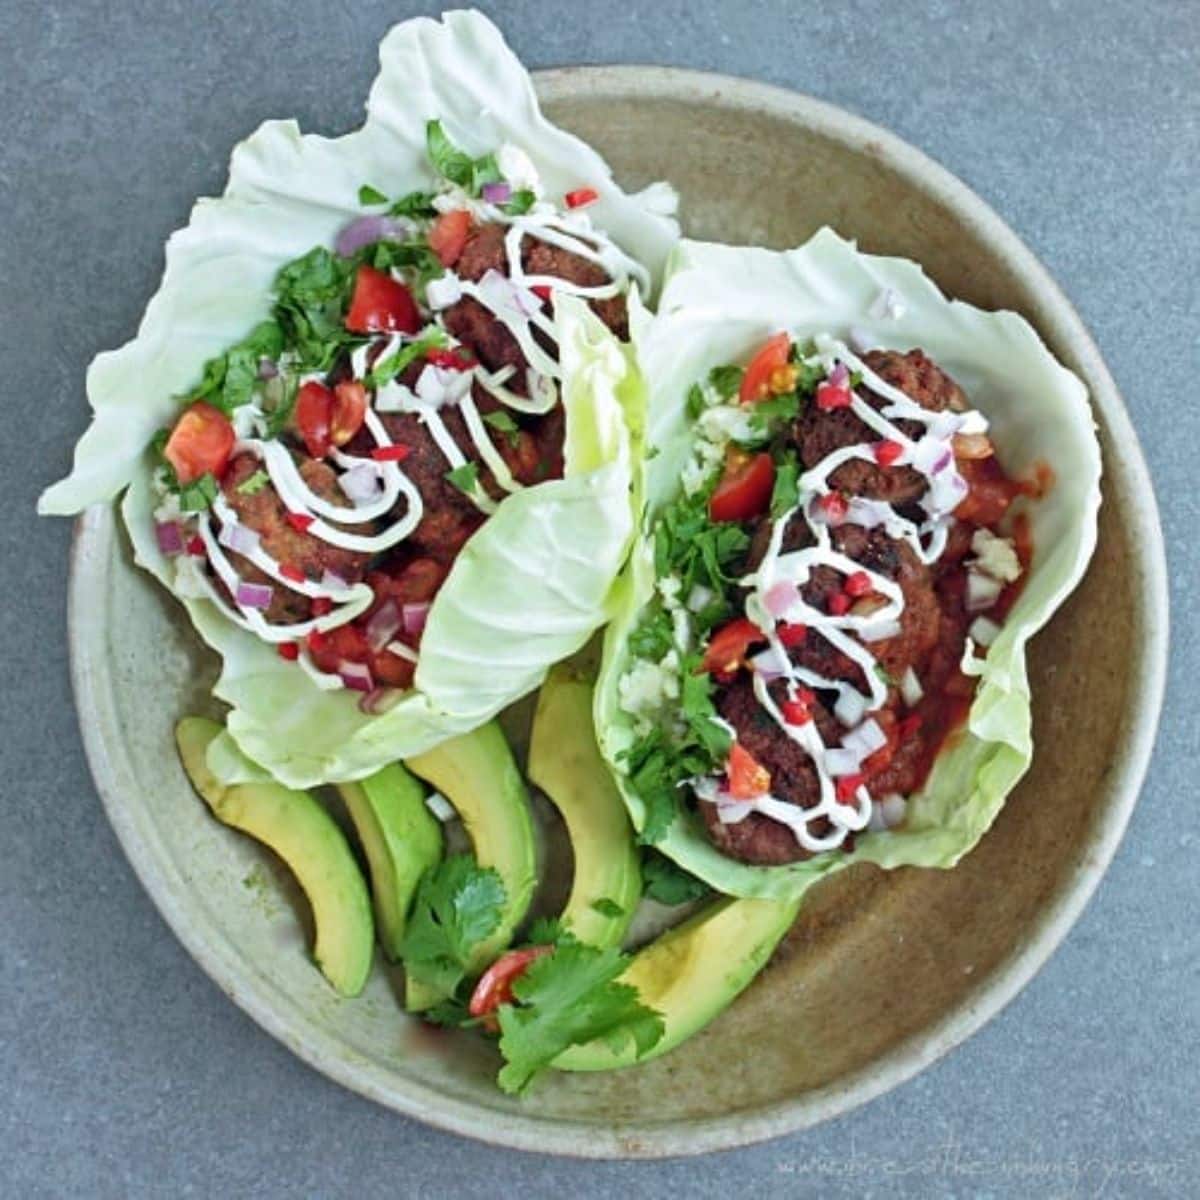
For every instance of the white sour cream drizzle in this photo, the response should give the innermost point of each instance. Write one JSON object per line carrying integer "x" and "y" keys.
{"x": 785, "y": 574}
{"x": 511, "y": 300}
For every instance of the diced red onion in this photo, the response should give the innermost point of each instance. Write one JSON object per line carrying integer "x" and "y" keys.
{"x": 496, "y": 193}
{"x": 770, "y": 665}
{"x": 383, "y": 625}
{"x": 356, "y": 676}
{"x": 839, "y": 376}
{"x": 500, "y": 291}
{"x": 440, "y": 807}
{"x": 360, "y": 483}
{"x": 982, "y": 591}
{"x": 880, "y": 631}
{"x": 443, "y": 292}
{"x": 945, "y": 425}
{"x": 780, "y": 597}
{"x": 731, "y": 812}
{"x": 944, "y": 494}
{"x": 850, "y": 708}
{"x": 840, "y": 761}
{"x": 910, "y": 688}
{"x": 169, "y": 536}
{"x": 865, "y": 739}
{"x": 254, "y": 595}
{"x": 267, "y": 368}
{"x": 414, "y": 617}
{"x": 239, "y": 538}
{"x": 331, "y": 582}
{"x": 942, "y": 462}
{"x": 363, "y": 231}
{"x": 983, "y": 631}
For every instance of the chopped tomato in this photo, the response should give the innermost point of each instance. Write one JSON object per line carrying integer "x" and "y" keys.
{"x": 299, "y": 521}
{"x": 495, "y": 986}
{"x": 727, "y": 648}
{"x": 200, "y": 443}
{"x": 989, "y": 493}
{"x": 346, "y": 642}
{"x": 289, "y": 651}
{"x": 834, "y": 505}
{"x": 746, "y": 775}
{"x": 847, "y": 786}
{"x": 380, "y": 303}
{"x": 792, "y": 634}
{"x": 449, "y": 235}
{"x": 770, "y": 356}
{"x": 313, "y": 416}
{"x": 839, "y": 604}
{"x": 887, "y": 452}
{"x": 745, "y": 488}
{"x": 581, "y": 197}
{"x": 349, "y": 411}
{"x": 858, "y": 583}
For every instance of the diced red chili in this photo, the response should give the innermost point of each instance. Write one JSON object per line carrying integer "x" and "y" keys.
{"x": 847, "y": 786}
{"x": 581, "y": 197}
{"x": 394, "y": 453}
{"x": 887, "y": 452}
{"x": 839, "y": 604}
{"x": 293, "y": 573}
{"x": 195, "y": 546}
{"x": 834, "y": 506}
{"x": 299, "y": 521}
{"x": 792, "y": 634}
{"x": 321, "y": 605}
{"x": 857, "y": 584}
{"x": 830, "y": 396}
{"x": 289, "y": 651}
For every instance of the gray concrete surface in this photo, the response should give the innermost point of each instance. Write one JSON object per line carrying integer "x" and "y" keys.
{"x": 123, "y": 1071}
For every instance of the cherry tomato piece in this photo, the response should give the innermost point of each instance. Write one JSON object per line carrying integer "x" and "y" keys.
{"x": 348, "y": 412}
{"x": 746, "y": 776}
{"x": 201, "y": 443}
{"x": 727, "y": 648}
{"x": 314, "y": 416}
{"x": 771, "y": 355}
{"x": 380, "y": 303}
{"x": 495, "y": 986}
{"x": 449, "y": 235}
{"x": 745, "y": 489}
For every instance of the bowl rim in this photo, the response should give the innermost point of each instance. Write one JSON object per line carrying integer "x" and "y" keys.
{"x": 575, "y": 1137}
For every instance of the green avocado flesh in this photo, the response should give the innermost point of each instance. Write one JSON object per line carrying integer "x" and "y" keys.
{"x": 693, "y": 972}
{"x": 306, "y": 837}
{"x": 401, "y": 839}
{"x": 565, "y": 762}
{"x": 477, "y": 774}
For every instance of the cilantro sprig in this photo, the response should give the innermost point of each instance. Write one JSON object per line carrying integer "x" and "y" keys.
{"x": 667, "y": 882}
{"x": 459, "y": 905}
{"x": 570, "y": 997}
{"x": 456, "y": 165}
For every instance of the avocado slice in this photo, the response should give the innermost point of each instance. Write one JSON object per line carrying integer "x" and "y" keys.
{"x": 401, "y": 840}
{"x": 565, "y": 762}
{"x": 306, "y": 837}
{"x": 477, "y": 774}
{"x": 693, "y": 972}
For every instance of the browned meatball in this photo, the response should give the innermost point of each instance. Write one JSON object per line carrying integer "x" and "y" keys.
{"x": 818, "y": 433}
{"x": 540, "y": 258}
{"x": 758, "y": 839}
{"x": 266, "y": 514}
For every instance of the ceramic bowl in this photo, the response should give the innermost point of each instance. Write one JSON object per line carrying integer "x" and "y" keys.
{"x": 883, "y": 972}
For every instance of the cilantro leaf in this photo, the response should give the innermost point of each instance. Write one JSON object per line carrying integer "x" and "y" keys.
{"x": 458, "y": 905}
{"x": 465, "y": 478}
{"x": 568, "y": 998}
{"x": 775, "y": 411}
{"x": 884, "y": 676}
{"x": 230, "y": 380}
{"x": 415, "y": 258}
{"x": 700, "y": 712}
{"x": 519, "y": 203}
{"x": 416, "y": 204}
{"x": 653, "y": 636}
{"x": 786, "y": 492}
{"x": 369, "y": 196}
{"x": 504, "y": 423}
{"x": 726, "y": 381}
{"x": 310, "y": 297}
{"x": 198, "y": 495}
{"x": 667, "y": 882}
{"x": 253, "y": 484}
{"x": 456, "y": 165}
{"x": 387, "y": 369}
{"x": 545, "y": 930}
{"x": 607, "y": 908}
{"x": 696, "y": 403}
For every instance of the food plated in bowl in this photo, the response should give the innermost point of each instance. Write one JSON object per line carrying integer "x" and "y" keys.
{"x": 844, "y": 964}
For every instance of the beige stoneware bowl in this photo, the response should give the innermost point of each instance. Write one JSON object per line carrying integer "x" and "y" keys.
{"x": 883, "y": 972}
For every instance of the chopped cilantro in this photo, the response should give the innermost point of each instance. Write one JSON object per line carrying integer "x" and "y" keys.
{"x": 689, "y": 545}
{"x": 725, "y": 381}
{"x": 695, "y": 401}
{"x": 607, "y": 908}
{"x": 568, "y": 998}
{"x": 653, "y": 636}
{"x": 253, "y": 484}
{"x": 230, "y": 379}
{"x": 808, "y": 375}
{"x": 786, "y": 492}
{"x": 459, "y": 904}
{"x": 504, "y": 423}
{"x": 545, "y": 930}
{"x": 369, "y": 196}
{"x": 699, "y": 711}
{"x": 519, "y": 203}
{"x": 387, "y": 370}
{"x": 767, "y": 415}
{"x": 311, "y": 294}
{"x": 198, "y": 495}
{"x": 416, "y": 204}
{"x": 456, "y": 165}
{"x": 667, "y": 882}
{"x": 465, "y": 478}
{"x": 884, "y": 677}
{"x": 415, "y": 258}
